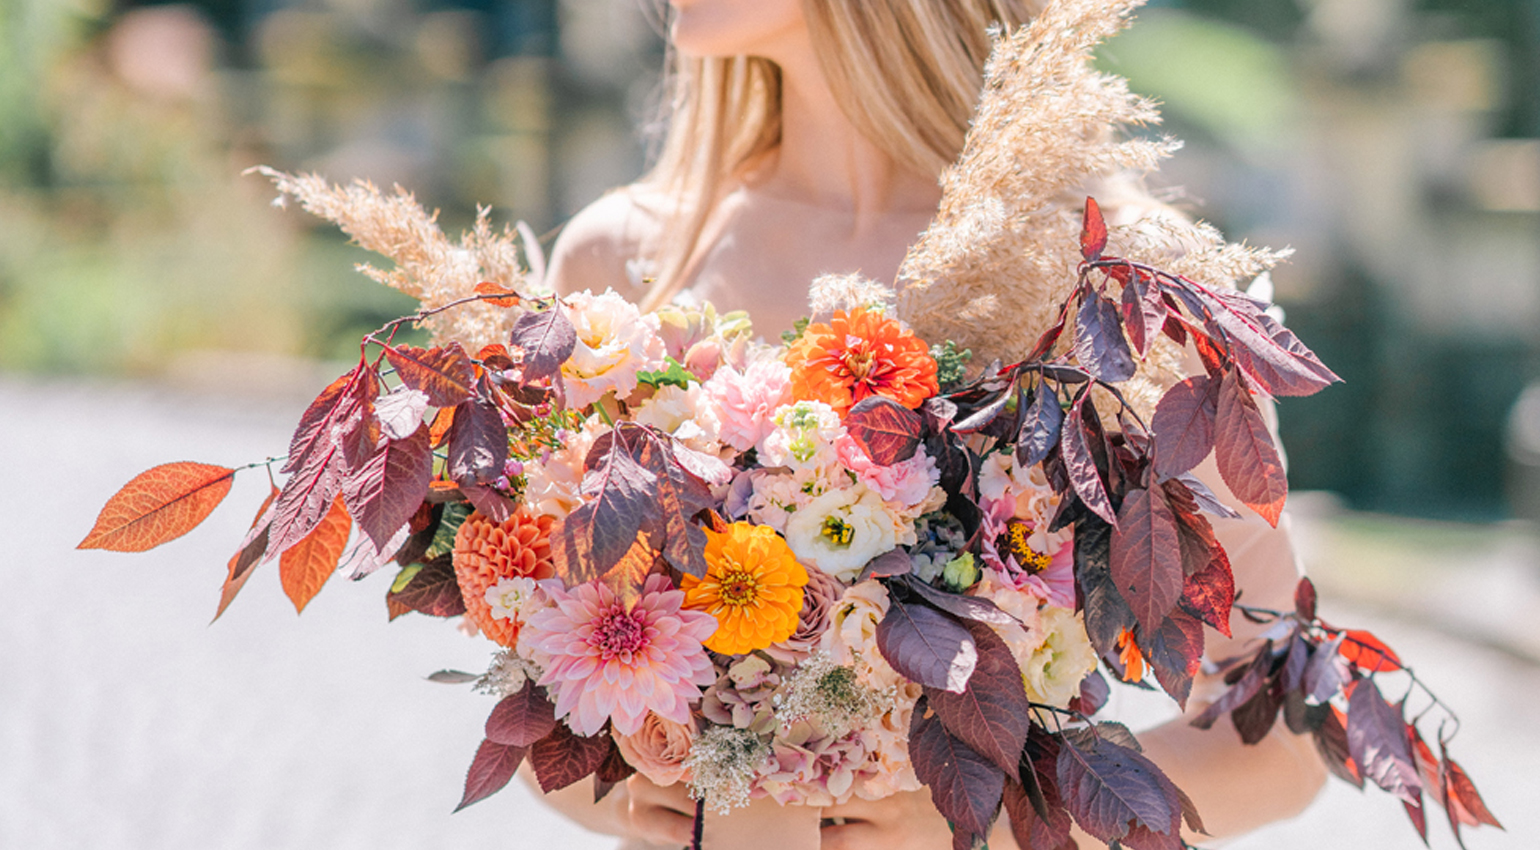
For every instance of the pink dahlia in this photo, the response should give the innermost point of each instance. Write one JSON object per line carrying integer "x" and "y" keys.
{"x": 603, "y": 662}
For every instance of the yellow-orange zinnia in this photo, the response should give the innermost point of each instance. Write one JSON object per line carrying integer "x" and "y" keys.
{"x": 753, "y": 587}
{"x": 861, "y": 354}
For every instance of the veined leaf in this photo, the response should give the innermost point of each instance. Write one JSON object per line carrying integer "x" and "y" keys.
{"x": 964, "y": 785}
{"x": 992, "y": 714}
{"x": 444, "y": 373}
{"x": 564, "y": 757}
{"x": 433, "y": 590}
{"x": 305, "y": 566}
{"x": 1146, "y": 559}
{"x": 547, "y": 339}
{"x": 1081, "y": 463}
{"x": 885, "y": 429}
{"x": 158, "y": 505}
{"x": 492, "y": 768}
{"x": 1099, "y": 342}
{"x": 1093, "y": 232}
{"x": 249, "y": 555}
{"x": 1248, "y": 460}
{"x": 388, "y": 489}
{"x": 927, "y": 646}
{"x": 523, "y": 718}
{"x": 1184, "y": 426}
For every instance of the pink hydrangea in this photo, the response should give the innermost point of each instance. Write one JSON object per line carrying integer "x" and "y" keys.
{"x": 747, "y": 400}
{"x": 603, "y": 662}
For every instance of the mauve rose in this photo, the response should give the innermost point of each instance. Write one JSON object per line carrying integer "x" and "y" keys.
{"x": 658, "y": 749}
{"x": 818, "y": 598}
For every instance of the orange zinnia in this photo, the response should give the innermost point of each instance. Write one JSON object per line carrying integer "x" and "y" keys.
{"x": 487, "y": 552}
{"x": 858, "y": 355}
{"x": 753, "y": 587}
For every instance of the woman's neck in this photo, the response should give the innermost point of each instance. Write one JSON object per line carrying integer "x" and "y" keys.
{"x": 824, "y": 160}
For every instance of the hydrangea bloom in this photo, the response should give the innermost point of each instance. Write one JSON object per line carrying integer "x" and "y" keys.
{"x": 604, "y": 662}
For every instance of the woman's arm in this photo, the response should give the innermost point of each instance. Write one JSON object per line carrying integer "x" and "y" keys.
{"x": 605, "y": 245}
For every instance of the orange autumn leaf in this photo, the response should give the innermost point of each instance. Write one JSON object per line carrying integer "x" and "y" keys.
{"x": 158, "y": 505}
{"x": 245, "y": 559}
{"x": 439, "y": 429}
{"x": 306, "y": 565}
{"x": 1368, "y": 653}
{"x": 510, "y": 299}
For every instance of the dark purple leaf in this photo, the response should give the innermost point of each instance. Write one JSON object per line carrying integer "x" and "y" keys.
{"x": 1184, "y": 426}
{"x": 1175, "y": 653}
{"x": 1304, "y": 600}
{"x": 1255, "y": 717}
{"x": 1293, "y": 676}
{"x": 1106, "y": 612}
{"x": 1254, "y": 679}
{"x": 496, "y": 506}
{"x": 887, "y": 431}
{"x": 1209, "y": 594}
{"x": 1109, "y": 788}
{"x": 927, "y": 646}
{"x": 965, "y": 786}
{"x": 1248, "y": 460}
{"x": 1081, "y": 463}
{"x": 894, "y": 562}
{"x": 433, "y": 590}
{"x": 1099, "y": 344}
{"x": 1277, "y": 369}
{"x": 523, "y": 718}
{"x": 984, "y": 416}
{"x": 992, "y": 715}
{"x": 305, "y": 499}
{"x": 1327, "y": 672}
{"x": 975, "y": 608}
{"x": 384, "y": 493}
{"x": 563, "y": 757}
{"x": 678, "y": 495}
{"x": 594, "y": 537}
{"x": 1146, "y": 559}
{"x": 1378, "y": 741}
{"x": 547, "y": 339}
{"x": 1094, "y": 692}
{"x": 1205, "y": 497}
{"x": 444, "y": 374}
{"x": 1040, "y": 427}
{"x": 493, "y": 766}
{"x": 1331, "y": 742}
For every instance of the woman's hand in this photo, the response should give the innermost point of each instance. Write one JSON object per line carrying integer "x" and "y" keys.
{"x": 907, "y": 820}
{"x": 666, "y": 816}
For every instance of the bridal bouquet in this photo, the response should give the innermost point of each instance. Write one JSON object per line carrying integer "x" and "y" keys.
{"x": 850, "y": 564}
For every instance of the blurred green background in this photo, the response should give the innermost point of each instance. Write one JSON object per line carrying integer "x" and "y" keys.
{"x": 1394, "y": 143}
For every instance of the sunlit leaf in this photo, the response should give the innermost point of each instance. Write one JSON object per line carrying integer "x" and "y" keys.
{"x": 158, "y": 505}
{"x": 304, "y": 567}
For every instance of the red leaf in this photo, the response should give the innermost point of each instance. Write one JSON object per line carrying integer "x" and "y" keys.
{"x": 965, "y": 787}
{"x": 1210, "y": 594}
{"x": 887, "y": 431}
{"x": 508, "y": 298}
{"x": 158, "y": 505}
{"x": 493, "y": 766}
{"x": 1331, "y": 742}
{"x": 248, "y": 556}
{"x": 306, "y": 497}
{"x": 442, "y": 422}
{"x": 563, "y": 757}
{"x": 523, "y": 718}
{"x": 1099, "y": 343}
{"x": 433, "y": 591}
{"x": 927, "y": 646}
{"x": 1184, "y": 426}
{"x": 1175, "y": 652}
{"x": 305, "y": 566}
{"x": 1366, "y": 652}
{"x": 1304, "y": 600}
{"x": 1213, "y": 361}
{"x": 1047, "y": 339}
{"x": 547, "y": 339}
{"x": 592, "y": 539}
{"x": 1146, "y": 557}
{"x": 1248, "y": 460}
{"x": 444, "y": 373}
{"x": 1093, "y": 232}
{"x": 1461, "y": 799}
{"x": 992, "y": 715}
{"x": 387, "y": 490}
{"x": 319, "y": 419}
{"x": 1078, "y": 458}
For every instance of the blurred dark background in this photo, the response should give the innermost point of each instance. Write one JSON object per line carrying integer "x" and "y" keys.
{"x": 1394, "y": 143}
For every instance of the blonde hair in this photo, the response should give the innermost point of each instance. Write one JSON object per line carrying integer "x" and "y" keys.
{"x": 906, "y": 73}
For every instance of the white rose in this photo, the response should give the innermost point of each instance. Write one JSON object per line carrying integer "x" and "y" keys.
{"x": 840, "y": 531}
{"x": 614, "y": 342}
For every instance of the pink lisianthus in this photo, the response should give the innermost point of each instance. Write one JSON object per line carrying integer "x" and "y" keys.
{"x": 747, "y": 400}
{"x": 603, "y": 662}
{"x": 1051, "y": 576}
{"x": 907, "y": 482}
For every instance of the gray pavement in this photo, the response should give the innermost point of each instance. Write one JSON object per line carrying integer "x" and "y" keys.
{"x": 127, "y": 721}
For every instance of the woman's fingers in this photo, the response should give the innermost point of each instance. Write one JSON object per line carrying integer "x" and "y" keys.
{"x": 660, "y": 815}
{"x": 905, "y": 821}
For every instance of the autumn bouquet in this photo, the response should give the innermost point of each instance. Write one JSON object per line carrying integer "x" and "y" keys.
{"x": 855, "y": 562}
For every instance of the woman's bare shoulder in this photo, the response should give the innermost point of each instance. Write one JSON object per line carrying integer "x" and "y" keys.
{"x": 609, "y": 243}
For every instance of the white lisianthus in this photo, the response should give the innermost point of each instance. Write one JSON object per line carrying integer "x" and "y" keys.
{"x": 803, "y": 437}
{"x": 614, "y": 342}
{"x": 840, "y": 531}
{"x": 687, "y": 414}
{"x": 1054, "y": 671}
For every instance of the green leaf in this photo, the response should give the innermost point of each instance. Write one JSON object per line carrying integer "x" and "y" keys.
{"x": 444, "y": 539}
{"x": 405, "y": 577}
{"x": 675, "y": 375}
{"x": 798, "y": 328}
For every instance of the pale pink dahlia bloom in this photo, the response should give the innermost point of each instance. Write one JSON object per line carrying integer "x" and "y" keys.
{"x": 603, "y": 662}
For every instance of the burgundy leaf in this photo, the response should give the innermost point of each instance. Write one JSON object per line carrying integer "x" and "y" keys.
{"x": 1326, "y": 672}
{"x": 975, "y": 608}
{"x": 523, "y": 718}
{"x": 305, "y": 499}
{"x": 992, "y": 715}
{"x": 1248, "y": 460}
{"x": 894, "y": 562}
{"x": 547, "y": 339}
{"x": 487, "y": 501}
{"x": 1094, "y": 692}
{"x": 677, "y": 496}
{"x": 1099, "y": 343}
{"x": 493, "y": 766}
{"x": 444, "y": 374}
{"x": 1331, "y": 742}
{"x": 1109, "y": 788}
{"x": 965, "y": 787}
{"x": 401, "y": 411}
{"x": 1078, "y": 458}
{"x": 887, "y": 431}
{"x": 1093, "y": 232}
{"x": 433, "y": 590}
{"x": 1204, "y": 497}
{"x": 1462, "y": 802}
{"x": 1147, "y": 557}
{"x": 1040, "y": 427}
{"x": 1106, "y": 612}
{"x": 1134, "y": 324}
{"x": 320, "y": 419}
{"x": 927, "y": 646}
{"x": 1176, "y": 651}
{"x": 563, "y": 757}
{"x": 1209, "y": 594}
{"x": 1304, "y": 600}
{"x": 478, "y": 443}
{"x": 1254, "y": 680}
{"x": 384, "y": 493}
{"x": 421, "y": 529}
{"x": 1184, "y": 426}
{"x": 1048, "y": 338}
{"x": 1271, "y": 363}
{"x": 1378, "y": 741}
{"x": 984, "y": 416}
{"x": 1293, "y": 676}
{"x": 596, "y": 535}
{"x": 1255, "y": 717}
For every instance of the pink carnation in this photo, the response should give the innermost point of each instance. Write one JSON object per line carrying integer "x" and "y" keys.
{"x": 603, "y": 662}
{"x": 906, "y": 482}
{"x": 747, "y": 400}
